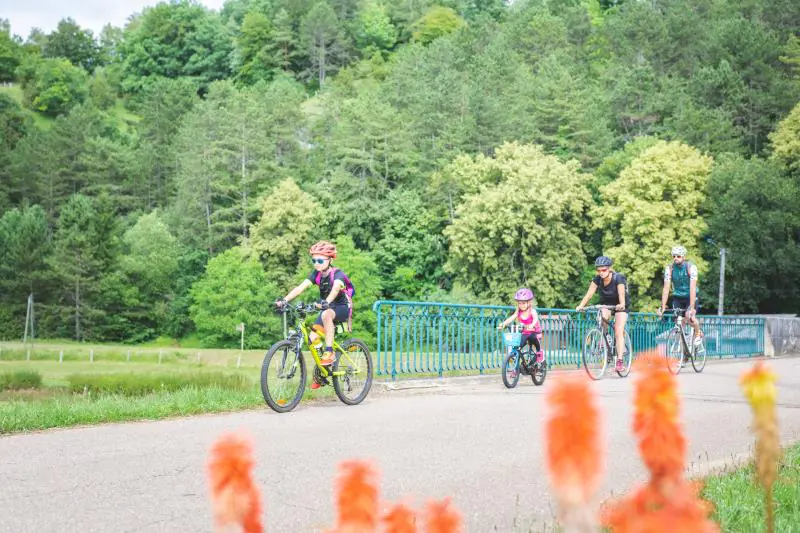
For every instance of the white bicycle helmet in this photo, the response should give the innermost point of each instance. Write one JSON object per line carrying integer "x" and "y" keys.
{"x": 678, "y": 250}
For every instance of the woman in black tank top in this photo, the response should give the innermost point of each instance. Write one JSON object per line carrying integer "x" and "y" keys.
{"x": 613, "y": 291}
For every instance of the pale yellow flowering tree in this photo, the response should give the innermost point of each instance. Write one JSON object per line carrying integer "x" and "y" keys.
{"x": 653, "y": 205}
{"x": 519, "y": 224}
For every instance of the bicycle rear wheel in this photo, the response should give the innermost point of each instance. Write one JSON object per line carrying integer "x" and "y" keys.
{"x": 674, "y": 352}
{"x": 699, "y": 356}
{"x": 283, "y": 376}
{"x": 352, "y": 372}
{"x": 538, "y": 372}
{"x": 594, "y": 354}
{"x": 510, "y": 370}
{"x": 627, "y": 357}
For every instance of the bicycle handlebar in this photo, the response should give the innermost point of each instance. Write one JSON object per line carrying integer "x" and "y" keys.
{"x": 599, "y": 306}
{"x": 299, "y": 308}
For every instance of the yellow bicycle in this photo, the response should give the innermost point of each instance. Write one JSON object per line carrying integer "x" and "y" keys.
{"x": 283, "y": 372}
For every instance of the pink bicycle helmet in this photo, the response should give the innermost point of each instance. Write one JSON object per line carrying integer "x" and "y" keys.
{"x": 524, "y": 295}
{"x": 324, "y": 248}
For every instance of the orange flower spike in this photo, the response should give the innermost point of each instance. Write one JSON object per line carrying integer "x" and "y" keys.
{"x": 573, "y": 443}
{"x": 234, "y": 495}
{"x": 442, "y": 518}
{"x": 400, "y": 519}
{"x": 357, "y": 498}
{"x": 759, "y": 388}
{"x": 656, "y": 418}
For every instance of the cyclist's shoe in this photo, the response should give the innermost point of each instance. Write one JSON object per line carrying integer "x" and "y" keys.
{"x": 327, "y": 358}
{"x": 540, "y": 357}
{"x": 315, "y": 385}
{"x": 620, "y": 365}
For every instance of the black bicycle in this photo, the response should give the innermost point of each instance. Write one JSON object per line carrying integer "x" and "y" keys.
{"x": 681, "y": 345}
{"x": 599, "y": 346}
{"x": 521, "y": 360}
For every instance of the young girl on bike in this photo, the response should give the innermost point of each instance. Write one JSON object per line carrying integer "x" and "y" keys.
{"x": 529, "y": 319}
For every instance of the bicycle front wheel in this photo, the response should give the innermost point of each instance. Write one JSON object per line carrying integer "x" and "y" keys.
{"x": 352, "y": 372}
{"x": 510, "y": 370}
{"x": 627, "y": 357}
{"x": 283, "y": 376}
{"x": 674, "y": 352}
{"x": 699, "y": 357}
{"x": 594, "y": 354}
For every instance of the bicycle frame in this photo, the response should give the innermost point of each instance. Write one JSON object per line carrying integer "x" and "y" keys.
{"x": 680, "y": 326}
{"x": 302, "y": 311}
{"x": 609, "y": 344}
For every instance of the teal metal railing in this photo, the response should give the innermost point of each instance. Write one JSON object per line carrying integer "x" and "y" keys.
{"x": 434, "y": 338}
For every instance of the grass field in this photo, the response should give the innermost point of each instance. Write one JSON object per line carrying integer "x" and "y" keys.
{"x": 188, "y": 388}
{"x": 739, "y": 502}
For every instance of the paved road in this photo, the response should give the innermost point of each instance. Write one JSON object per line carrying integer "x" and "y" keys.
{"x": 474, "y": 441}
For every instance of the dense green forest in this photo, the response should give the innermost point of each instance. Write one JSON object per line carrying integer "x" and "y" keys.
{"x": 167, "y": 178}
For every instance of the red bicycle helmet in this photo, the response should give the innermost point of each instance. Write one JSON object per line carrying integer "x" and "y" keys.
{"x": 324, "y": 248}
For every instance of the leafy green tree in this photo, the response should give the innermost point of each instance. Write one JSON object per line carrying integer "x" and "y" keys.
{"x": 786, "y": 141}
{"x": 232, "y": 146}
{"x": 503, "y": 237}
{"x": 101, "y": 91}
{"x": 285, "y": 39}
{"x": 9, "y": 56}
{"x": 284, "y": 232}
{"x": 175, "y": 39}
{"x": 81, "y": 251}
{"x": 375, "y": 30}
{"x": 57, "y": 86}
{"x": 149, "y": 262}
{"x": 655, "y": 203}
{"x": 753, "y": 213}
{"x": 191, "y": 267}
{"x": 255, "y": 47}
{"x": 70, "y": 41}
{"x": 322, "y": 36}
{"x": 234, "y": 290}
{"x": 23, "y": 269}
{"x": 438, "y": 21}
{"x": 411, "y": 252}
{"x": 14, "y": 125}
{"x": 163, "y": 105}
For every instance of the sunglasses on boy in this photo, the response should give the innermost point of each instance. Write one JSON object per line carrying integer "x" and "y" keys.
{"x": 318, "y": 261}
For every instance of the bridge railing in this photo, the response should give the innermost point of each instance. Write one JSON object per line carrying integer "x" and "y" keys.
{"x": 434, "y": 338}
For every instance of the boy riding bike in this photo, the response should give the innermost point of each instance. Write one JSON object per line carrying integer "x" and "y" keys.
{"x": 335, "y": 292}
{"x": 529, "y": 319}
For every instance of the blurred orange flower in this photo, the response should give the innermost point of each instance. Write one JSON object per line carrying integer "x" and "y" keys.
{"x": 442, "y": 518}
{"x": 573, "y": 450}
{"x": 668, "y": 503}
{"x": 655, "y": 420}
{"x": 357, "y": 498}
{"x": 400, "y": 519}
{"x": 234, "y": 495}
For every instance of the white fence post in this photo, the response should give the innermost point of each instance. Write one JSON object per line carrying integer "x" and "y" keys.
{"x": 61, "y": 356}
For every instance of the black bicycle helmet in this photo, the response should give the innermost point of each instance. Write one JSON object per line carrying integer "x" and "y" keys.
{"x": 603, "y": 261}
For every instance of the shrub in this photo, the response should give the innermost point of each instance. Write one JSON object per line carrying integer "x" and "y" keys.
{"x": 21, "y": 379}
{"x": 141, "y": 384}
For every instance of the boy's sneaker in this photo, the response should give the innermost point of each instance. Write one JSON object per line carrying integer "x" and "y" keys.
{"x": 620, "y": 365}
{"x": 327, "y": 358}
{"x": 540, "y": 357}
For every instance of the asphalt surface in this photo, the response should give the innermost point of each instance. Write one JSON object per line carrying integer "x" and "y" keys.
{"x": 470, "y": 439}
